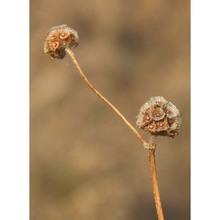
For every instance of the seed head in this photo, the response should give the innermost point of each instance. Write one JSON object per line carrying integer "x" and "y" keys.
{"x": 58, "y": 38}
{"x": 159, "y": 117}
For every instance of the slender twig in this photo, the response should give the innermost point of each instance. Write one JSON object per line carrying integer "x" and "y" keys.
{"x": 149, "y": 146}
{"x": 152, "y": 161}
{"x": 151, "y": 156}
{"x": 71, "y": 54}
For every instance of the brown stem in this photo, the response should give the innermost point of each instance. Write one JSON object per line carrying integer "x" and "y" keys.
{"x": 152, "y": 161}
{"x": 149, "y": 146}
{"x": 71, "y": 54}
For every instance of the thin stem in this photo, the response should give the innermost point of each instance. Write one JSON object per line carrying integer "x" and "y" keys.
{"x": 71, "y": 54}
{"x": 152, "y": 161}
{"x": 149, "y": 146}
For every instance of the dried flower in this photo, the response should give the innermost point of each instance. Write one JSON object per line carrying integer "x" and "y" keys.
{"x": 159, "y": 117}
{"x": 58, "y": 38}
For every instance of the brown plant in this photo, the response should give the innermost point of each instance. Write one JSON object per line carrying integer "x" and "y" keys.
{"x": 159, "y": 117}
{"x": 156, "y": 116}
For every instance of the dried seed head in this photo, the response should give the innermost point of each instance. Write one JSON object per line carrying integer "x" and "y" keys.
{"x": 58, "y": 38}
{"x": 159, "y": 117}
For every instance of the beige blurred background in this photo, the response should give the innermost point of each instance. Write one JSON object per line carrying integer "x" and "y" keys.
{"x": 85, "y": 163}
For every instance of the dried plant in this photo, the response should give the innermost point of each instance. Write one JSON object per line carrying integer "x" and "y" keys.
{"x": 157, "y": 116}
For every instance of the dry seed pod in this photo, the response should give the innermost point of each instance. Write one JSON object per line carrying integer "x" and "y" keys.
{"x": 58, "y": 38}
{"x": 159, "y": 117}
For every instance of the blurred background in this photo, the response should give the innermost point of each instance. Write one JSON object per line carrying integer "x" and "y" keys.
{"x": 85, "y": 162}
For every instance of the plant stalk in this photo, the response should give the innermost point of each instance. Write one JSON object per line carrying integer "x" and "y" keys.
{"x": 71, "y": 54}
{"x": 151, "y": 157}
{"x": 149, "y": 146}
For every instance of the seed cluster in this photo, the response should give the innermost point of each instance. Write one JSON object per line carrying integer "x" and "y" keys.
{"x": 159, "y": 117}
{"x": 58, "y": 38}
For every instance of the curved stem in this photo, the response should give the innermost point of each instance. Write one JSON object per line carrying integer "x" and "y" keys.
{"x": 149, "y": 146}
{"x": 71, "y": 54}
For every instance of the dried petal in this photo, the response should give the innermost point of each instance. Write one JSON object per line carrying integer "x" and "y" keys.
{"x": 171, "y": 110}
{"x": 158, "y": 100}
{"x": 158, "y": 114}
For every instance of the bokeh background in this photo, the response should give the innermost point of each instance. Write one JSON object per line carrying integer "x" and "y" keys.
{"x": 85, "y": 163}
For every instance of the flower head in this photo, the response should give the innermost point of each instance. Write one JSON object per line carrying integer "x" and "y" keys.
{"x": 159, "y": 117}
{"x": 58, "y": 38}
